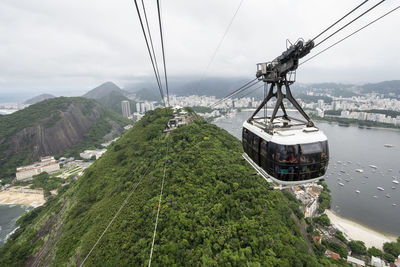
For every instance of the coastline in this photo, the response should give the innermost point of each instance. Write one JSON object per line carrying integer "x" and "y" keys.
{"x": 356, "y": 125}
{"x": 19, "y": 197}
{"x": 357, "y": 231}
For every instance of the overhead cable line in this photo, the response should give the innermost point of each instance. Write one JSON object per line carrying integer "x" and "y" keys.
{"x": 159, "y": 207}
{"x": 149, "y": 51}
{"x": 152, "y": 46}
{"x": 116, "y": 214}
{"x": 252, "y": 91}
{"x": 219, "y": 44}
{"x": 359, "y": 16}
{"x": 354, "y": 9}
{"x": 163, "y": 50}
{"x": 237, "y": 91}
{"x": 341, "y": 40}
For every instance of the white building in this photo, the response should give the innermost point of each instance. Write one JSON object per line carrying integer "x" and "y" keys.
{"x": 355, "y": 261}
{"x": 126, "y": 108}
{"x": 46, "y": 164}
{"x": 377, "y": 262}
{"x": 88, "y": 154}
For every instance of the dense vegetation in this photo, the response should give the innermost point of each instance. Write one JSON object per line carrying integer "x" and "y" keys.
{"x": 113, "y": 101}
{"x": 213, "y": 210}
{"x": 392, "y": 249}
{"x": 324, "y": 198}
{"x": 357, "y": 247}
{"x": 46, "y": 182}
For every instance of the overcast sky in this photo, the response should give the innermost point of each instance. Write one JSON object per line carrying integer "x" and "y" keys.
{"x": 75, "y": 45}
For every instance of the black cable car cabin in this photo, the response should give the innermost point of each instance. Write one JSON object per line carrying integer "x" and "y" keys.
{"x": 288, "y": 156}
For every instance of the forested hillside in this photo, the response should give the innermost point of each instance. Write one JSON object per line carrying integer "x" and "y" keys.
{"x": 214, "y": 211}
{"x": 54, "y": 126}
{"x": 110, "y": 95}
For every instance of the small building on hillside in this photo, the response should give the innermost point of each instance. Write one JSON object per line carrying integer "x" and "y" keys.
{"x": 46, "y": 164}
{"x": 355, "y": 262}
{"x": 332, "y": 254}
{"x": 377, "y": 262}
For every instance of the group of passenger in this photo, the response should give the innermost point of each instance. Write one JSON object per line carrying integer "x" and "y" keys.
{"x": 289, "y": 167}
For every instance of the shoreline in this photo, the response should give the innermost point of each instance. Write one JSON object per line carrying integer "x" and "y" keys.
{"x": 356, "y": 231}
{"x": 356, "y": 125}
{"x": 18, "y": 197}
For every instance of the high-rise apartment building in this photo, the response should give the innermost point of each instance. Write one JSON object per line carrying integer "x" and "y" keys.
{"x": 126, "y": 108}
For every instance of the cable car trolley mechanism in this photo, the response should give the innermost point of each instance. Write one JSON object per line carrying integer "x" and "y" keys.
{"x": 282, "y": 148}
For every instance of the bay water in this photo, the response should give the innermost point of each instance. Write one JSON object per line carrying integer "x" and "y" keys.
{"x": 353, "y": 148}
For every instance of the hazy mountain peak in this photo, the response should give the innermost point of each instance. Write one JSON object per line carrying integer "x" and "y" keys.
{"x": 103, "y": 90}
{"x": 38, "y": 98}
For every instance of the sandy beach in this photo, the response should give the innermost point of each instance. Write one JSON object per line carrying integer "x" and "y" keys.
{"x": 18, "y": 196}
{"x": 356, "y": 231}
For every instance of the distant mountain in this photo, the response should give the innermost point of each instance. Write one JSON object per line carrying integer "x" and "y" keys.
{"x": 38, "y": 98}
{"x": 54, "y": 126}
{"x": 103, "y": 90}
{"x": 113, "y": 101}
{"x": 214, "y": 211}
{"x": 111, "y": 96}
{"x": 386, "y": 88}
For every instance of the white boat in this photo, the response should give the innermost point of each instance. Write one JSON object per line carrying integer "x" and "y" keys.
{"x": 375, "y": 196}
{"x": 358, "y": 191}
{"x": 394, "y": 204}
{"x": 373, "y": 166}
{"x": 360, "y": 170}
{"x": 341, "y": 184}
{"x": 395, "y": 182}
{"x": 380, "y": 188}
{"x": 393, "y": 187}
{"x": 388, "y": 145}
{"x": 388, "y": 196}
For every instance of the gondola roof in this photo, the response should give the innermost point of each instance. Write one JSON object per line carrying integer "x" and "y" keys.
{"x": 288, "y": 135}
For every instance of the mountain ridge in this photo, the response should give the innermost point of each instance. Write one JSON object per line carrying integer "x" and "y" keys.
{"x": 38, "y": 98}
{"x": 51, "y": 127}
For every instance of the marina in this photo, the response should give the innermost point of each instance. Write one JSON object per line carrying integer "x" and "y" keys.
{"x": 359, "y": 150}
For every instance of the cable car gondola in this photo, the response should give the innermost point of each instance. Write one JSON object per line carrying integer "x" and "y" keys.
{"x": 284, "y": 149}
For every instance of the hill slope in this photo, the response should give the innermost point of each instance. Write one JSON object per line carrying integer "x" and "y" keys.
{"x": 113, "y": 101}
{"x": 103, "y": 90}
{"x": 38, "y": 98}
{"x": 213, "y": 210}
{"x": 111, "y": 96}
{"x": 51, "y": 127}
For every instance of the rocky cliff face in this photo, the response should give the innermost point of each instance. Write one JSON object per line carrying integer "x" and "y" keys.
{"x": 66, "y": 132}
{"x": 55, "y": 130}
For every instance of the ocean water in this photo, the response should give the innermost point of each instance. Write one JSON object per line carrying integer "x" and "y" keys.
{"x": 9, "y": 214}
{"x": 354, "y": 148}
